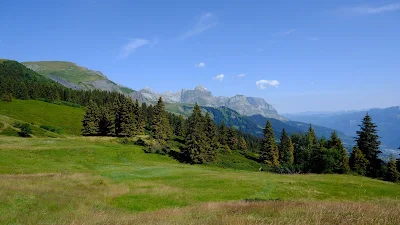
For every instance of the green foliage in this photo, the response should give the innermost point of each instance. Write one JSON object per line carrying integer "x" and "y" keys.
{"x": 196, "y": 145}
{"x": 269, "y": 151}
{"x": 286, "y": 149}
{"x": 160, "y": 124}
{"x": 91, "y": 120}
{"x": 57, "y": 130}
{"x": 368, "y": 142}
{"x": 26, "y": 130}
{"x": 242, "y": 144}
{"x": 232, "y": 138}
{"x": 358, "y": 163}
{"x": 392, "y": 173}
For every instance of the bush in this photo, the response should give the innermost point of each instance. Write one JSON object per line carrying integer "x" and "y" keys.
{"x": 26, "y": 130}
{"x": 141, "y": 142}
{"x": 7, "y": 98}
{"x": 158, "y": 148}
{"x": 51, "y": 128}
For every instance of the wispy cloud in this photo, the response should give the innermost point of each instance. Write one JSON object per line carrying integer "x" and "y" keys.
{"x": 241, "y": 75}
{"x": 370, "y": 10}
{"x": 128, "y": 48}
{"x": 287, "y": 32}
{"x": 262, "y": 84}
{"x": 200, "y": 65}
{"x": 205, "y": 22}
{"x": 219, "y": 77}
{"x": 313, "y": 38}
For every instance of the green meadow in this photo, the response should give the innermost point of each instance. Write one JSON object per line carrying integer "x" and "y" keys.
{"x": 68, "y": 179}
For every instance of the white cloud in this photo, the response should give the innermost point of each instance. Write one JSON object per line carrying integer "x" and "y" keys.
{"x": 200, "y": 65}
{"x": 205, "y": 22}
{"x": 262, "y": 84}
{"x": 133, "y": 44}
{"x": 288, "y": 32}
{"x": 219, "y": 77}
{"x": 241, "y": 75}
{"x": 368, "y": 10}
{"x": 313, "y": 39}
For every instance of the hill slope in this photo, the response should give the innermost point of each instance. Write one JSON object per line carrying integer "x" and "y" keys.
{"x": 77, "y": 77}
{"x": 42, "y": 113}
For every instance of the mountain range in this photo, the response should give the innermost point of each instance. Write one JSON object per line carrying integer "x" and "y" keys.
{"x": 248, "y": 114}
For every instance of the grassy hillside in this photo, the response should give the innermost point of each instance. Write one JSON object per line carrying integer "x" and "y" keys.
{"x": 42, "y": 113}
{"x": 66, "y": 70}
{"x": 98, "y": 180}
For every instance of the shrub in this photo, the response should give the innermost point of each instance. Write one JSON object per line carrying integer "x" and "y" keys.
{"x": 26, "y": 130}
{"x": 51, "y": 128}
{"x": 7, "y": 98}
{"x": 158, "y": 148}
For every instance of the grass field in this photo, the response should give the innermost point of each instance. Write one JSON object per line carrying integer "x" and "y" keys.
{"x": 68, "y": 179}
{"x": 71, "y": 180}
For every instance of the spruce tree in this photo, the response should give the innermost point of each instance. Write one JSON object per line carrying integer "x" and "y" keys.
{"x": 211, "y": 137}
{"x": 223, "y": 134}
{"x": 335, "y": 144}
{"x": 91, "y": 120}
{"x": 398, "y": 163}
{"x": 232, "y": 139}
{"x": 139, "y": 118}
{"x": 368, "y": 142}
{"x": 107, "y": 122}
{"x": 116, "y": 115}
{"x": 358, "y": 163}
{"x": 127, "y": 120}
{"x": 286, "y": 149}
{"x": 160, "y": 124}
{"x": 196, "y": 145}
{"x": 392, "y": 174}
{"x": 242, "y": 144}
{"x": 269, "y": 152}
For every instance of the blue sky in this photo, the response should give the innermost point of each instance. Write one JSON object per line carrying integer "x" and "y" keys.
{"x": 297, "y": 55}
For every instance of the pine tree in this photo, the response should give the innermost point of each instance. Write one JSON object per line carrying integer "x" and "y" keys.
{"x": 127, "y": 120}
{"x": 139, "y": 118}
{"x": 336, "y": 144}
{"x": 91, "y": 120}
{"x": 211, "y": 137}
{"x": 106, "y": 123}
{"x": 398, "y": 163}
{"x": 286, "y": 149}
{"x": 116, "y": 115}
{"x": 358, "y": 163}
{"x": 392, "y": 174}
{"x": 232, "y": 139}
{"x": 269, "y": 152}
{"x": 368, "y": 142}
{"x": 196, "y": 146}
{"x": 160, "y": 124}
{"x": 242, "y": 144}
{"x": 311, "y": 152}
{"x": 179, "y": 126}
{"x": 223, "y": 134}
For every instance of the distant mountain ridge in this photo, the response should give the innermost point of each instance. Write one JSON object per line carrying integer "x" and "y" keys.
{"x": 244, "y": 105}
{"x": 387, "y": 120}
{"x": 77, "y": 77}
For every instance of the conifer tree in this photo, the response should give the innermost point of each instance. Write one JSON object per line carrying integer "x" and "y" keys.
{"x": 286, "y": 149}
{"x": 232, "y": 139}
{"x": 368, "y": 142}
{"x": 223, "y": 134}
{"x": 139, "y": 118}
{"x": 398, "y": 163}
{"x": 116, "y": 115}
{"x": 269, "y": 152}
{"x": 160, "y": 124}
{"x": 242, "y": 144}
{"x": 211, "y": 137}
{"x": 106, "y": 123}
{"x": 392, "y": 174}
{"x": 91, "y": 120}
{"x": 179, "y": 126}
{"x": 196, "y": 146}
{"x": 127, "y": 120}
{"x": 335, "y": 144}
{"x": 358, "y": 163}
